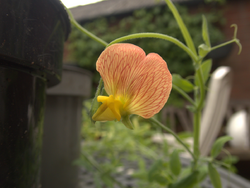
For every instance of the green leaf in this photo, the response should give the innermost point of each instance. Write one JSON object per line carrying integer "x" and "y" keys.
{"x": 203, "y": 50}
{"x": 174, "y": 163}
{"x": 205, "y": 69}
{"x": 205, "y": 33}
{"x": 182, "y": 26}
{"x": 203, "y": 172}
{"x": 188, "y": 181}
{"x": 214, "y": 176}
{"x": 218, "y": 145}
{"x": 160, "y": 179}
{"x": 155, "y": 168}
{"x": 182, "y": 83}
{"x": 229, "y": 162}
{"x": 185, "y": 171}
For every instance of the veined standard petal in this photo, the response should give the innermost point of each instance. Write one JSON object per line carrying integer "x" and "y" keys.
{"x": 149, "y": 91}
{"x": 117, "y": 66}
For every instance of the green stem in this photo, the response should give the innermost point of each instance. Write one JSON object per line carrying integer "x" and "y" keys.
{"x": 185, "y": 95}
{"x": 95, "y": 104}
{"x": 199, "y": 98}
{"x": 202, "y": 89}
{"x": 219, "y": 163}
{"x": 223, "y": 44}
{"x": 182, "y": 26}
{"x": 175, "y": 135}
{"x": 228, "y": 42}
{"x": 85, "y": 31}
{"x": 159, "y": 36}
{"x": 196, "y": 145}
{"x": 237, "y": 41}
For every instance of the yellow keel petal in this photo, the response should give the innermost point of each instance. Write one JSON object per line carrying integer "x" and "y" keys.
{"x": 114, "y": 107}
{"x": 103, "y": 113}
{"x": 102, "y": 98}
{"x": 109, "y": 110}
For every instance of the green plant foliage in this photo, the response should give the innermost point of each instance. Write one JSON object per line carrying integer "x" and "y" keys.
{"x": 230, "y": 161}
{"x": 95, "y": 104}
{"x": 205, "y": 68}
{"x": 218, "y": 145}
{"x": 113, "y": 143}
{"x": 175, "y": 163}
{"x": 183, "y": 84}
{"x": 188, "y": 181}
{"x": 85, "y": 51}
{"x": 214, "y": 176}
{"x": 205, "y": 33}
{"x": 203, "y": 50}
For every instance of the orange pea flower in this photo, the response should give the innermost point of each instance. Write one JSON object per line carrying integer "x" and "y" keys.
{"x": 136, "y": 83}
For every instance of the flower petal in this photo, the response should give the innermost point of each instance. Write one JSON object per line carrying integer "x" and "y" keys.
{"x": 149, "y": 92}
{"x": 109, "y": 110}
{"x": 103, "y": 113}
{"x": 116, "y": 66}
